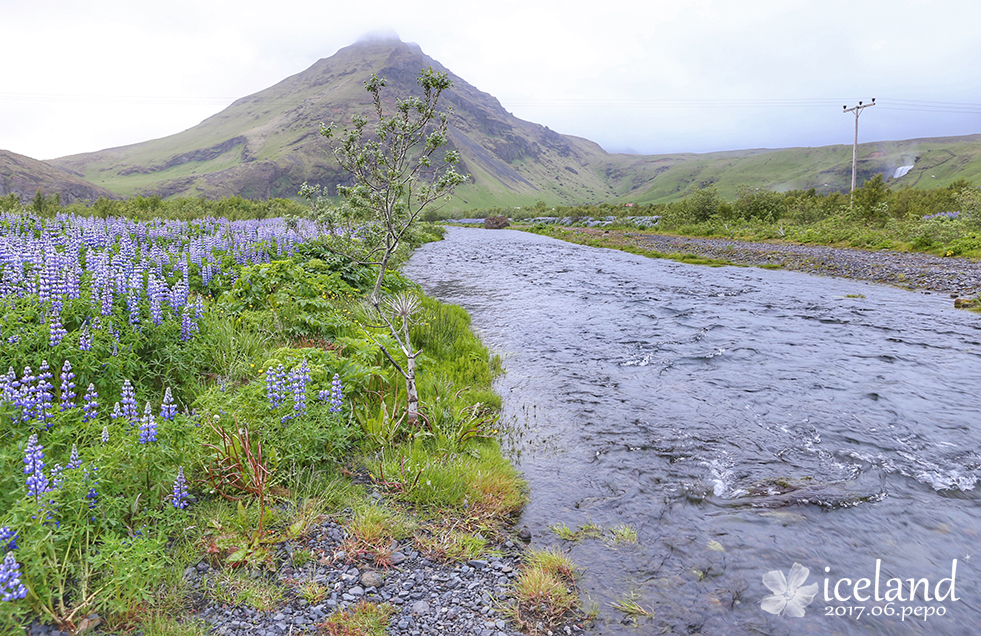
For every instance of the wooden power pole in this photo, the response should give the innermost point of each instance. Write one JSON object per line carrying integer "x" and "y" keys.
{"x": 858, "y": 111}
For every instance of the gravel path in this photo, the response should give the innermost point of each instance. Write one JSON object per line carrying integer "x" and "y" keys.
{"x": 954, "y": 276}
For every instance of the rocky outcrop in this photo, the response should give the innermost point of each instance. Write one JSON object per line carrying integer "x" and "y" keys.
{"x": 496, "y": 222}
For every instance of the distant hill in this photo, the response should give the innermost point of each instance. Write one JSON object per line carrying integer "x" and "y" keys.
{"x": 24, "y": 177}
{"x": 920, "y": 163}
{"x": 268, "y": 144}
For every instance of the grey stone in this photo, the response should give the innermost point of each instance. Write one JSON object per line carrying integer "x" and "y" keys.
{"x": 397, "y": 558}
{"x": 372, "y": 579}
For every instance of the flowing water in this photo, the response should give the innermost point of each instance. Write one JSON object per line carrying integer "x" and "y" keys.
{"x": 740, "y": 421}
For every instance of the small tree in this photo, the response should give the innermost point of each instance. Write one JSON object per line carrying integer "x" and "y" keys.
{"x": 397, "y": 175}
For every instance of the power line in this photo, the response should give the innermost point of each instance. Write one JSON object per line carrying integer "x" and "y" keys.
{"x": 858, "y": 111}
{"x": 908, "y": 105}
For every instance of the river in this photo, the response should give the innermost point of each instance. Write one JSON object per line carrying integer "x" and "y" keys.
{"x": 740, "y": 421}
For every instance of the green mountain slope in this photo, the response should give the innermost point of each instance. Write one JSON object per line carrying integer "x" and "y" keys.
{"x": 935, "y": 162}
{"x": 267, "y": 144}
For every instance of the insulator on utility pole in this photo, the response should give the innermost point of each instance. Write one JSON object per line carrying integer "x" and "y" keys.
{"x": 857, "y": 110}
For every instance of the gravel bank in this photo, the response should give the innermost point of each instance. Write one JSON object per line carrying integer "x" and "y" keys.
{"x": 431, "y": 598}
{"x": 955, "y": 276}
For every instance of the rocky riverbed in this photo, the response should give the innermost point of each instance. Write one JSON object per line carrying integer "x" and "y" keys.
{"x": 955, "y": 276}
{"x": 429, "y": 597}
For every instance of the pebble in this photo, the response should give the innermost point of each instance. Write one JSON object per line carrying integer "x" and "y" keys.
{"x": 372, "y": 579}
{"x": 430, "y": 597}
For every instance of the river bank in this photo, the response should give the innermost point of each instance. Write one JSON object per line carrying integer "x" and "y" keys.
{"x": 910, "y": 270}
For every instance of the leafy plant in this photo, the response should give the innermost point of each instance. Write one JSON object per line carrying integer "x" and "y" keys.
{"x": 238, "y": 469}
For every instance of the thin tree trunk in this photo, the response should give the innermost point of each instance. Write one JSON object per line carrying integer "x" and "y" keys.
{"x": 412, "y": 397}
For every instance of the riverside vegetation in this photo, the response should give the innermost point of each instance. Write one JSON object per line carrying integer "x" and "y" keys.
{"x": 182, "y": 388}
{"x": 943, "y": 221}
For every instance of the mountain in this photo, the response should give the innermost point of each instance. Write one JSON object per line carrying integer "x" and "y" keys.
{"x": 268, "y": 144}
{"x": 24, "y": 177}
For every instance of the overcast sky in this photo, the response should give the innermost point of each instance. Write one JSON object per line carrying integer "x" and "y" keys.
{"x": 646, "y": 76}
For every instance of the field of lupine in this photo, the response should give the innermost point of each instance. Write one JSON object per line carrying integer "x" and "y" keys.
{"x": 179, "y": 390}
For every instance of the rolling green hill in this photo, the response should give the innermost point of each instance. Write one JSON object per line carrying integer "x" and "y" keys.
{"x": 267, "y": 145}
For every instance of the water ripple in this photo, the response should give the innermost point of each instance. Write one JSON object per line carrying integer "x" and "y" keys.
{"x": 780, "y": 417}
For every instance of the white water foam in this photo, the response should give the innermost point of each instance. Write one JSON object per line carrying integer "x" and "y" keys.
{"x": 901, "y": 171}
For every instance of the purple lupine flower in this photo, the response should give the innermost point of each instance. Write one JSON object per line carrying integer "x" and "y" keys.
{"x": 11, "y": 588}
{"x": 73, "y": 460}
{"x": 56, "y": 332}
{"x": 107, "y": 299}
{"x": 90, "y": 410}
{"x": 128, "y": 403}
{"x": 43, "y": 391}
{"x": 299, "y": 379}
{"x": 133, "y": 298}
{"x": 157, "y": 292}
{"x": 37, "y": 483}
{"x": 85, "y": 339}
{"x": 167, "y": 408}
{"x": 188, "y": 325}
{"x": 56, "y": 477}
{"x": 8, "y": 539}
{"x": 14, "y": 339}
{"x": 148, "y": 426}
{"x": 179, "y": 495}
{"x": 274, "y": 386}
{"x": 68, "y": 394}
{"x": 26, "y": 396}
{"x": 336, "y": 394}
{"x": 8, "y": 386}
{"x": 105, "y": 434}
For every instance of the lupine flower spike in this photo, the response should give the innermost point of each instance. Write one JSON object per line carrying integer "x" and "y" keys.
{"x": 336, "y": 394}
{"x": 67, "y": 387}
{"x": 11, "y": 588}
{"x": 179, "y": 496}
{"x": 74, "y": 461}
{"x": 8, "y": 539}
{"x": 37, "y": 483}
{"x": 90, "y": 411}
{"x": 167, "y": 408}
{"x": 128, "y": 402}
{"x": 148, "y": 426}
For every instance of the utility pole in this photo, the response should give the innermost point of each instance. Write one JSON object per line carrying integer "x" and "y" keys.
{"x": 858, "y": 111}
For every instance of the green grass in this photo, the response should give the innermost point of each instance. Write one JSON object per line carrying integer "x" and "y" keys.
{"x": 544, "y": 592}
{"x": 238, "y": 588}
{"x": 618, "y": 534}
{"x": 630, "y": 604}
{"x": 363, "y": 619}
